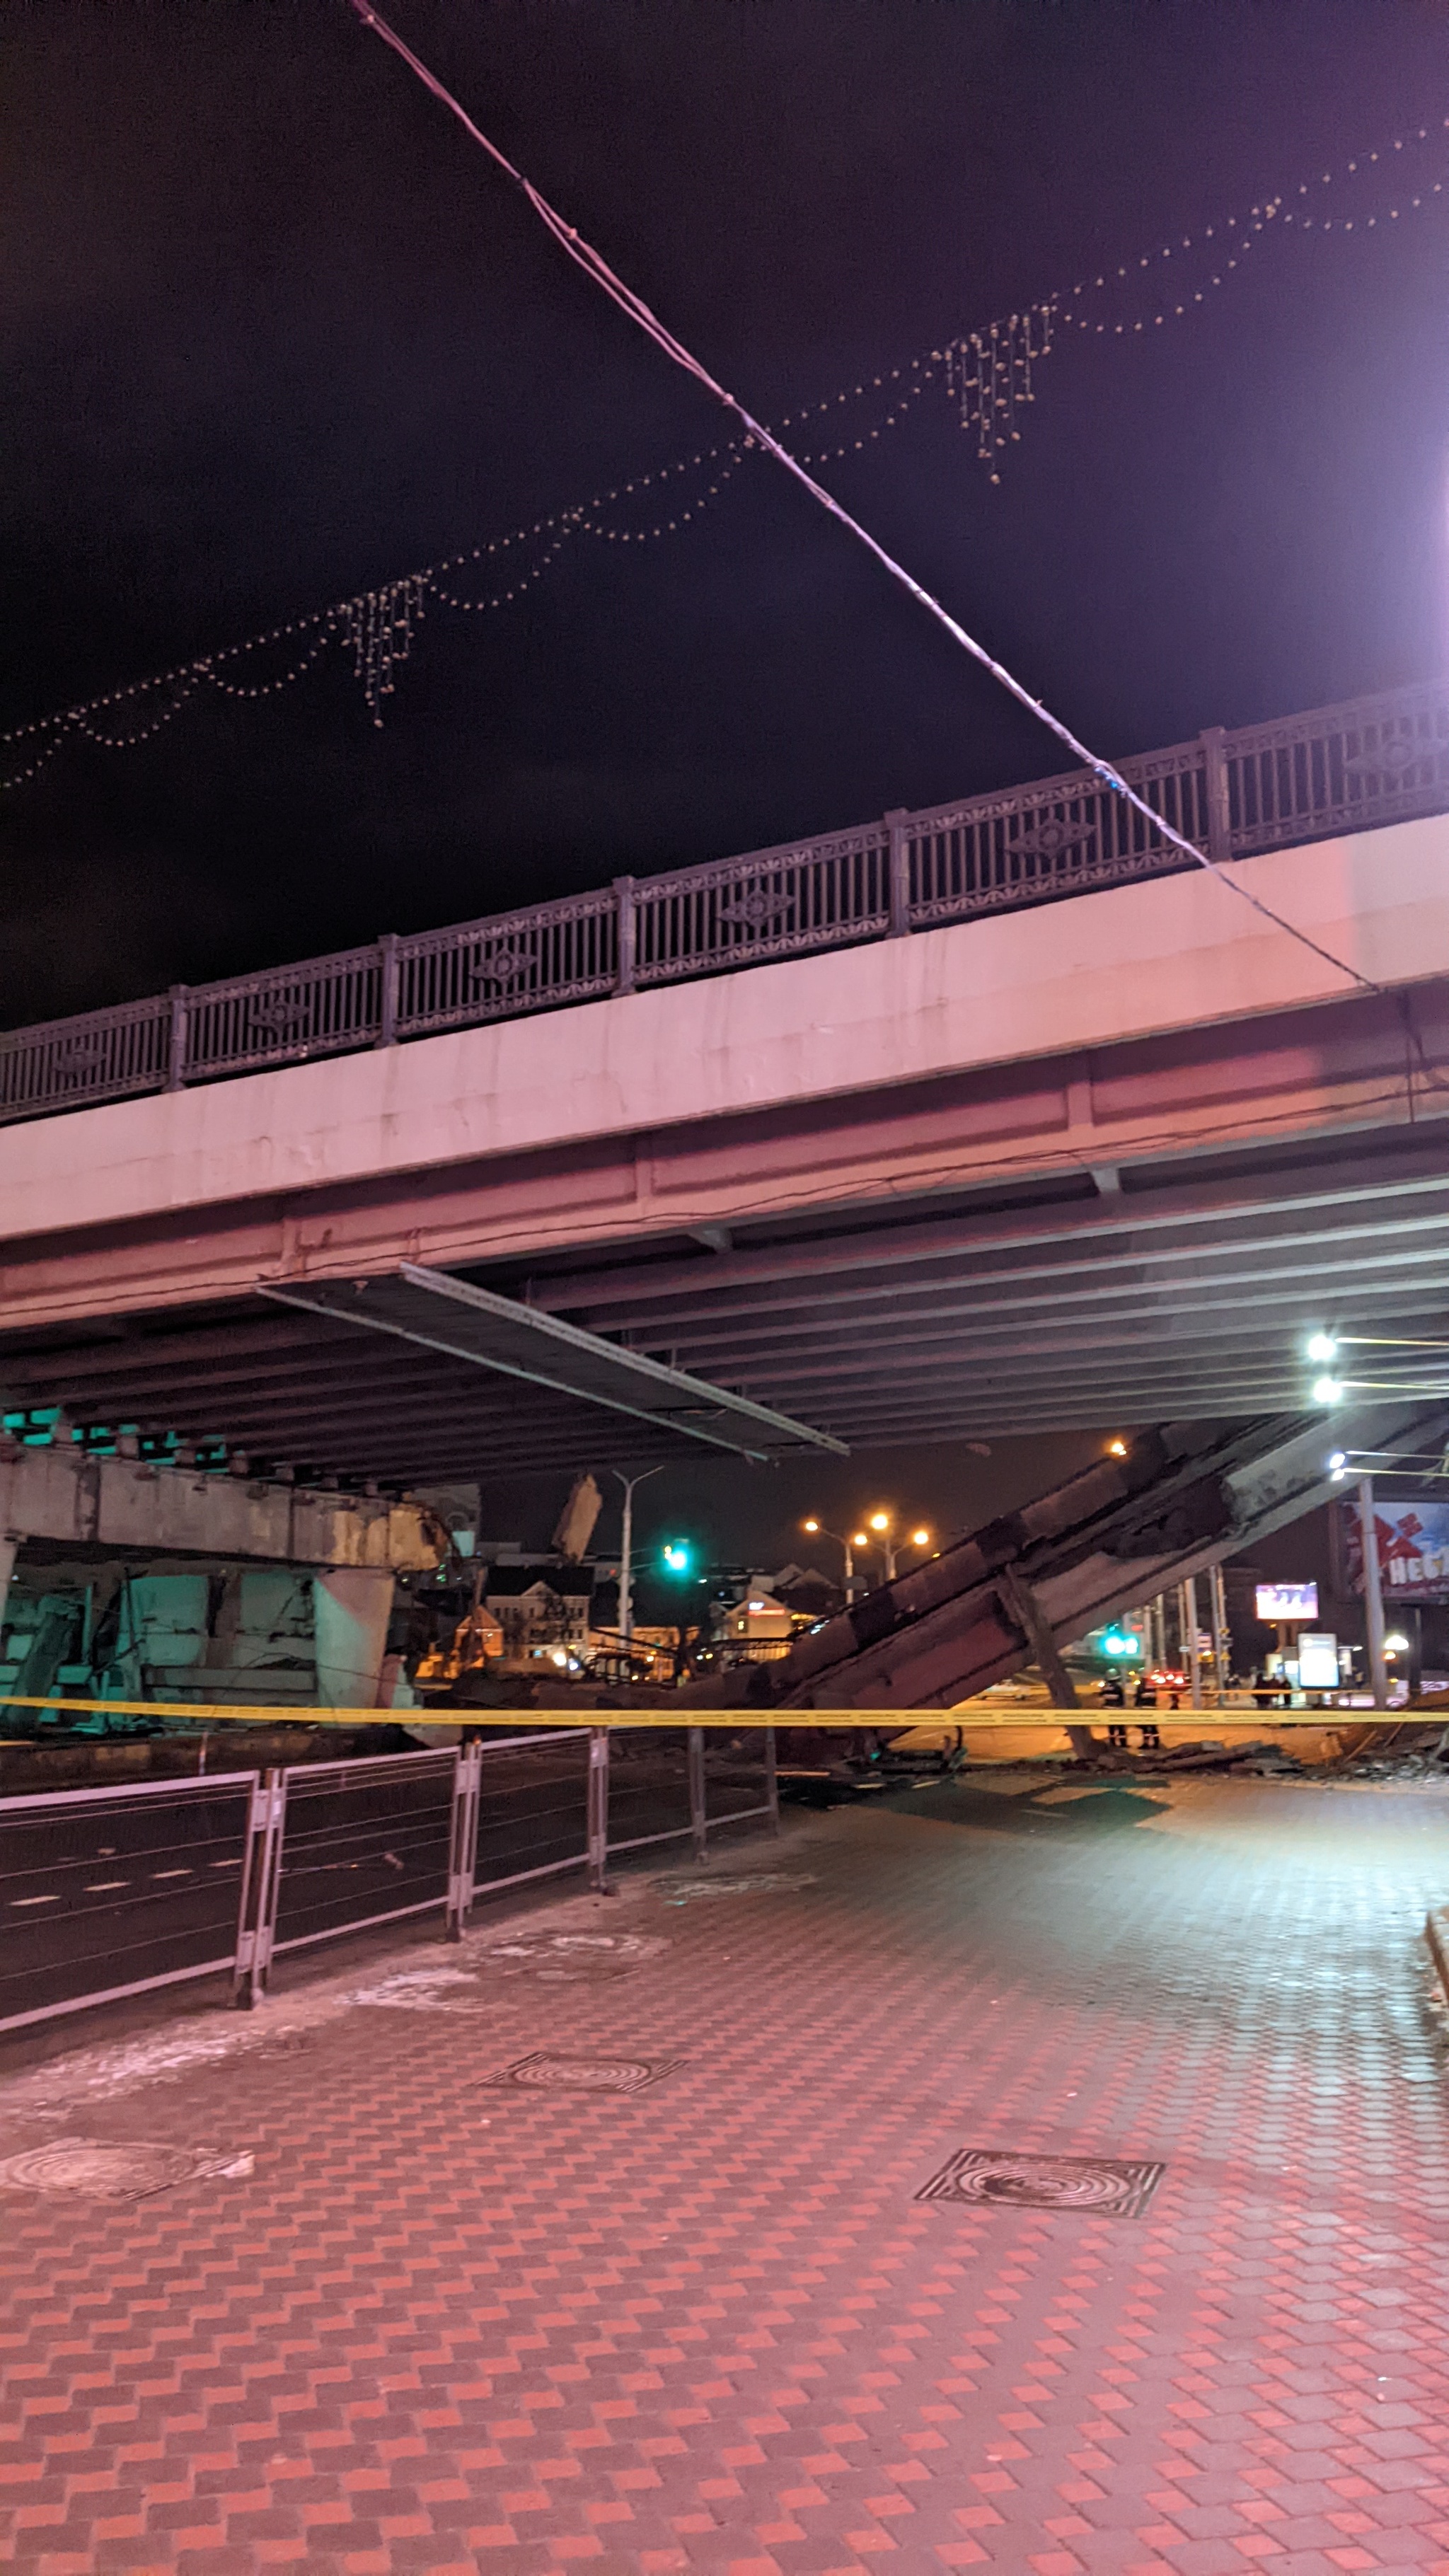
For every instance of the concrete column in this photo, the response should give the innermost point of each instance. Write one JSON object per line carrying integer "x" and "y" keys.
{"x": 351, "y": 1606}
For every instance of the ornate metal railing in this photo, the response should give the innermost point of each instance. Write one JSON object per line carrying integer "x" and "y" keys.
{"x": 1377, "y": 760}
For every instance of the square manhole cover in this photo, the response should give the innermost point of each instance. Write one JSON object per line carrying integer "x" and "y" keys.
{"x": 544, "y": 2072}
{"x": 992, "y": 2178}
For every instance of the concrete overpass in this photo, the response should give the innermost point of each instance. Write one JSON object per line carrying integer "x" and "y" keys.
{"x": 1102, "y": 1160}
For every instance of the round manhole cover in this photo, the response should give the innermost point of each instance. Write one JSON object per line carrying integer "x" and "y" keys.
{"x": 100, "y": 2169}
{"x": 1037, "y": 2183}
{"x": 586, "y": 2074}
{"x": 992, "y": 2177}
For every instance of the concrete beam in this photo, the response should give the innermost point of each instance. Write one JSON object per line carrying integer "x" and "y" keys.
{"x": 129, "y": 1504}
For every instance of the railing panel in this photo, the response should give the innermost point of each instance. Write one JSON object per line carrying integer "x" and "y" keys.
{"x": 533, "y": 1809}
{"x": 738, "y": 1777}
{"x": 110, "y": 1892}
{"x": 649, "y": 1800}
{"x": 66, "y": 1064}
{"x": 499, "y": 969}
{"x": 1062, "y": 837}
{"x": 775, "y": 903}
{"x": 1346, "y": 768}
{"x": 363, "y": 1842}
{"x": 285, "y": 1016}
{"x": 1382, "y": 760}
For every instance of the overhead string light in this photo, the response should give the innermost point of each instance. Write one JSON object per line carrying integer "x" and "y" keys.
{"x": 990, "y": 377}
{"x": 989, "y": 374}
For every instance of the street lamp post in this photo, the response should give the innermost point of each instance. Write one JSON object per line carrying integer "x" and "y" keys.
{"x": 626, "y": 1549}
{"x": 817, "y": 1529}
{"x": 882, "y": 1526}
{"x": 1373, "y": 1592}
{"x": 885, "y": 1529}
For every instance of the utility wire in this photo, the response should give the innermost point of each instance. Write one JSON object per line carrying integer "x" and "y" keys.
{"x": 633, "y": 306}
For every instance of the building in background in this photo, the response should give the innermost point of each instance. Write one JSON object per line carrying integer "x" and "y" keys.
{"x": 540, "y": 1609}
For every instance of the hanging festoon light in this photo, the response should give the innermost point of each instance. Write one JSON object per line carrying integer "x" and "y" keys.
{"x": 990, "y": 375}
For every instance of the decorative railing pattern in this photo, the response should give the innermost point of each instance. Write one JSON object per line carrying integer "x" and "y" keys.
{"x": 1376, "y": 760}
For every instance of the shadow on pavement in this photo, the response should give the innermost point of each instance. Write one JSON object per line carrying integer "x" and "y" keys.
{"x": 1038, "y": 1810}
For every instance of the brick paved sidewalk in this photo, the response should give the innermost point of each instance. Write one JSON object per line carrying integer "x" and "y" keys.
{"x": 447, "y": 2324}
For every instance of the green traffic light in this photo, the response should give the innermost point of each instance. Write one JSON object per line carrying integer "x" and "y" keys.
{"x": 676, "y": 1556}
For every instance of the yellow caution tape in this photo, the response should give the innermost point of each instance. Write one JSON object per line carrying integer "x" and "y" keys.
{"x": 971, "y": 1721}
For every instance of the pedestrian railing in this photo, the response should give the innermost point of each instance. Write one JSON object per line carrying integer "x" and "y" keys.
{"x": 106, "y": 1893}
{"x": 1339, "y": 769}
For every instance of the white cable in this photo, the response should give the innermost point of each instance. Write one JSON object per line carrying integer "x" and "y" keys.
{"x": 597, "y": 268}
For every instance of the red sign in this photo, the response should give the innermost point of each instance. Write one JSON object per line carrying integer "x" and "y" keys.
{"x": 1413, "y": 1542}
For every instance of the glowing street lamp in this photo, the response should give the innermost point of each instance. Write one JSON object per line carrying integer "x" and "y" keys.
{"x": 847, "y": 1547}
{"x": 1327, "y": 1390}
{"x": 1322, "y": 1347}
{"x": 883, "y": 1524}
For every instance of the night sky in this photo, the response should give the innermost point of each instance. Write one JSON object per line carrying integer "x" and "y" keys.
{"x": 273, "y": 331}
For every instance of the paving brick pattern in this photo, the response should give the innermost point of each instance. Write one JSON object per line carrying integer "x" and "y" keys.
{"x": 446, "y": 2326}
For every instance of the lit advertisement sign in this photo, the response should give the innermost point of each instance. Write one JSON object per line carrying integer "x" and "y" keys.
{"x": 1318, "y": 1660}
{"x": 1413, "y": 1550}
{"x": 1277, "y": 1601}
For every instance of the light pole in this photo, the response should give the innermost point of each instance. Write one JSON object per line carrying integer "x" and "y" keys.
{"x": 847, "y": 1546}
{"x": 1373, "y": 1592}
{"x": 626, "y": 1548}
{"x": 885, "y": 1529}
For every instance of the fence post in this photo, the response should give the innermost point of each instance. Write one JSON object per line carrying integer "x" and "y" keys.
{"x": 387, "y": 1011}
{"x": 463, "y": 1842}
{"x": 1215, "y": 789}
{"x": 261, "y": 1884}
{"x": 176, "y": 1038}
{"x": 698, "y": 1823}
{"x": 772, "y": 1780}
{"x": 900, "y": 873}
{"x": 627, "y": 929}
{"x": 599, "y": 1809}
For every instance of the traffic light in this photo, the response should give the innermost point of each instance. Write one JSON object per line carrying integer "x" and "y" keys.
{"x": 676, "y": 1556}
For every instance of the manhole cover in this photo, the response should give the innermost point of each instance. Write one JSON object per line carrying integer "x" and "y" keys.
{"x": 543, "y": 2073}
{"x": 990, "y": 2178}
{"x": 108, "y": 2169}
{"x": 683, "y": 1891}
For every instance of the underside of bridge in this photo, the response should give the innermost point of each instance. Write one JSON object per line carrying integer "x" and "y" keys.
{"x": 1129, "y": 1294}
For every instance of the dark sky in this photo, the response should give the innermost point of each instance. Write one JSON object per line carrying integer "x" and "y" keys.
{"x": 272, "y": 330}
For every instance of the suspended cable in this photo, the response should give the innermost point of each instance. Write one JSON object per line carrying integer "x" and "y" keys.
{"x": 988, "y": 371}
{"x": 596, "y": 268}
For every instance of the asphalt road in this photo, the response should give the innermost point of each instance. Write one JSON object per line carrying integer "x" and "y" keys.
{"x": 98, "y": 1893}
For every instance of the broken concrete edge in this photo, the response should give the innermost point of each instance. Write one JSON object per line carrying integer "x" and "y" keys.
{"x": 1436, "y": 1933}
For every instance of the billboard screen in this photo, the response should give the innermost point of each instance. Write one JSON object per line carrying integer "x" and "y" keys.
{"x": 1286, "y": 1601}
{"x": 1413, "y": 1550}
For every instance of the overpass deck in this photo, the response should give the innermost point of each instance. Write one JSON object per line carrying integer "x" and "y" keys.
{"x": 1102, "y": 1162}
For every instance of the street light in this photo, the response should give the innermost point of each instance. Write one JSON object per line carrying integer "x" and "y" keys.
{"x": 1327, "y": 1390}
{"x": 847, "y": 1547}
{"x": 626, "y": 1548}
{"x": 883, "y": 1524}
{"x": 1321, "y": 1347}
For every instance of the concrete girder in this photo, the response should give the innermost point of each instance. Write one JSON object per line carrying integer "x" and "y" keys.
{"x": 128, "y": 1503}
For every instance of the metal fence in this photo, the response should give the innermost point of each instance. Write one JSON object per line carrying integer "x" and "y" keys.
{"x": 106, "y": 1893}
{"x": 1373, "y": 761}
